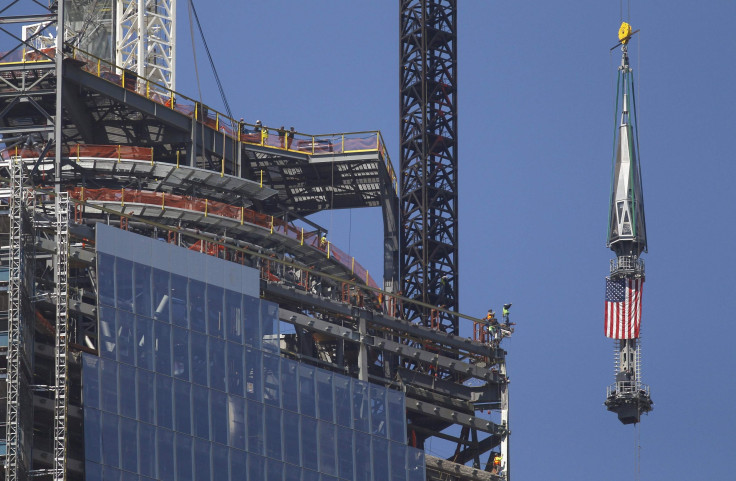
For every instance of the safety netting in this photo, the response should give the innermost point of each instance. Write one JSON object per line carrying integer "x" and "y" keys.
{"x": 85, "y": 150}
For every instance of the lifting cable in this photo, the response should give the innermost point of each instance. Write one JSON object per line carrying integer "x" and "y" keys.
{"x": 193, "y": 10}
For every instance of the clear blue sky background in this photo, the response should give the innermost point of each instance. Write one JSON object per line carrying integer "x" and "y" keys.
{"x": 536, "y": 103}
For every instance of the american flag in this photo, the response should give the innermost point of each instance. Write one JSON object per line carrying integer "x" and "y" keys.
{"x": 623, "y": 308}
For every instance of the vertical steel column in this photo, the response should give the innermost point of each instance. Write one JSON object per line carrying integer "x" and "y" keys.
{"x": 62, "y": 342}
{"x": 15, "y": 288}
{"x": 428, "y": 116}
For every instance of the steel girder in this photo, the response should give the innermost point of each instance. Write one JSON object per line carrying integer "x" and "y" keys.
{"x": 429, "y": 220}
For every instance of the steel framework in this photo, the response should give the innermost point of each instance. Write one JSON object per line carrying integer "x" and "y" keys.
{"x": 146, "y": 39}
{"x": 428, "y": 111}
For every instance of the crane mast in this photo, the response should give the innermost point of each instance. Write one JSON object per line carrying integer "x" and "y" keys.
{"x": 429, "y": 194}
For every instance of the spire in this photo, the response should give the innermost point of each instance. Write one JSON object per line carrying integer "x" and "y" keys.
{"x": 627, "y": 228}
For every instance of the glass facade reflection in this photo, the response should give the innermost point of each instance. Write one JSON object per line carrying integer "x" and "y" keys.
{"x": 189, "y": 384}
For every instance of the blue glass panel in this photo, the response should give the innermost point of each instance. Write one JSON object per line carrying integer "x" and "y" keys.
{"x": 233, "y": 316}
{"x": 254, "y": 427}
{"x": 106, "y": 278}
{"x": 254, "y": 374}
{"x": 179, "y": 314}
{"x": 129, "y": 444}
{"x": 161, "y": 296}
{"x": 219, "y": 463}
{"x": 325, "y": 400}
{"x": 215, "y": 310}
{"x": 235, "y": 368}
{"x": 163, "y": 347}
{"x": 182, "y": 407}
{"x": 289, "y": 385}
{"x": 144, "y": 342}
{"x": 252, "y": 321}
{"x": 125, "y": 338}
{"x": 273, "y": 432}
{"x": 415, "y": 464}
{"x": 343, "y": 413}
{"x": 164, "y": 402}
{"x": 345, "y": 452}
{"x": 197, "y": 312}
{"x": 144, "y": 391}
{"x": 327, "y": 448}
{"x": 91, "y": 381}
{"x": 109, "y": 385}
{"x": 326, "y": 477}
{"x": 218, "y": 416}
{"x": 362, "y": 443}
{"x": 93, "y": 471}
{"x": 306, "y": 390}
{"x": 378, "y": 410}
{"x": 216, "y": 354}
{"x": 310, "y": 455}
{"x": 124, "y": 284}
{"x": 270, "y": 325}
{"x": 274, "y": 470}
{"x": 126, "y": 476}
{"x": 291, "y": 437}
{"x": 397, "y": 456}
{"x": 92, "y": 435}
{"x": 237, "y": 464}
{"x": 396, "y": 416}
{"x": 109, "y": 440}
{"x": 142, "y": 302}
{"x": 361, "y": 416}
{"x": 183, "y": 458}
{"x": 236, "y": 417}
{"x": 201, "y": 459}
{"x": 292, "y": 473}
{"x": 309, "y": 475}
{"x": 147, "y": 449}
{"x": 380, "y": 458}
{"x": 201, "y": 406}
{"x": 180, "y": 338}
{"x": 165, "y": 454}
{"x": 110, "y": 473}
{"x": 107, "y": 332}
{"x": 199, "y": 358}
{"x": 126, "y": 388}
{"x": 256, "y": 467}
{"x": 271, "y": 371}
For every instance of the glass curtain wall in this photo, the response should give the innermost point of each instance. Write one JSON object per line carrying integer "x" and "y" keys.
{"x": 189, "y": 384}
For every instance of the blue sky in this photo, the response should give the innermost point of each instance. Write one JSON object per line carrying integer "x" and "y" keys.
{"x": 536, "y": 108}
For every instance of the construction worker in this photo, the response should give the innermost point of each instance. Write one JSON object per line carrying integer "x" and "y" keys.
{"x": 323, "y": 242}
{"x": 497, "y": 460}
{"x": 492, "y": 326}
{"x": 505, "y": 312}
{"x": 282, "y": 137}
{"x": 290, "y": 137}
{"x": 444, "y": 291}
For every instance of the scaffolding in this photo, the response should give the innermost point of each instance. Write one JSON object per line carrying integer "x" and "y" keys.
{"x": 15, "y": 300}
{"x": 62, "y": 341}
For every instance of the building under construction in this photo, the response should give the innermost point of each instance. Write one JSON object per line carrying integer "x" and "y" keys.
{"x": 170, "y": 310}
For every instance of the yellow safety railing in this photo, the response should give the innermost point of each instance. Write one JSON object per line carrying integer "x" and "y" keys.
{"x": 254, "y": 134}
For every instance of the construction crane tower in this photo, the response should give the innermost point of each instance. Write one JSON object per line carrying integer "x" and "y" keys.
{"x": 428, "y": 163}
